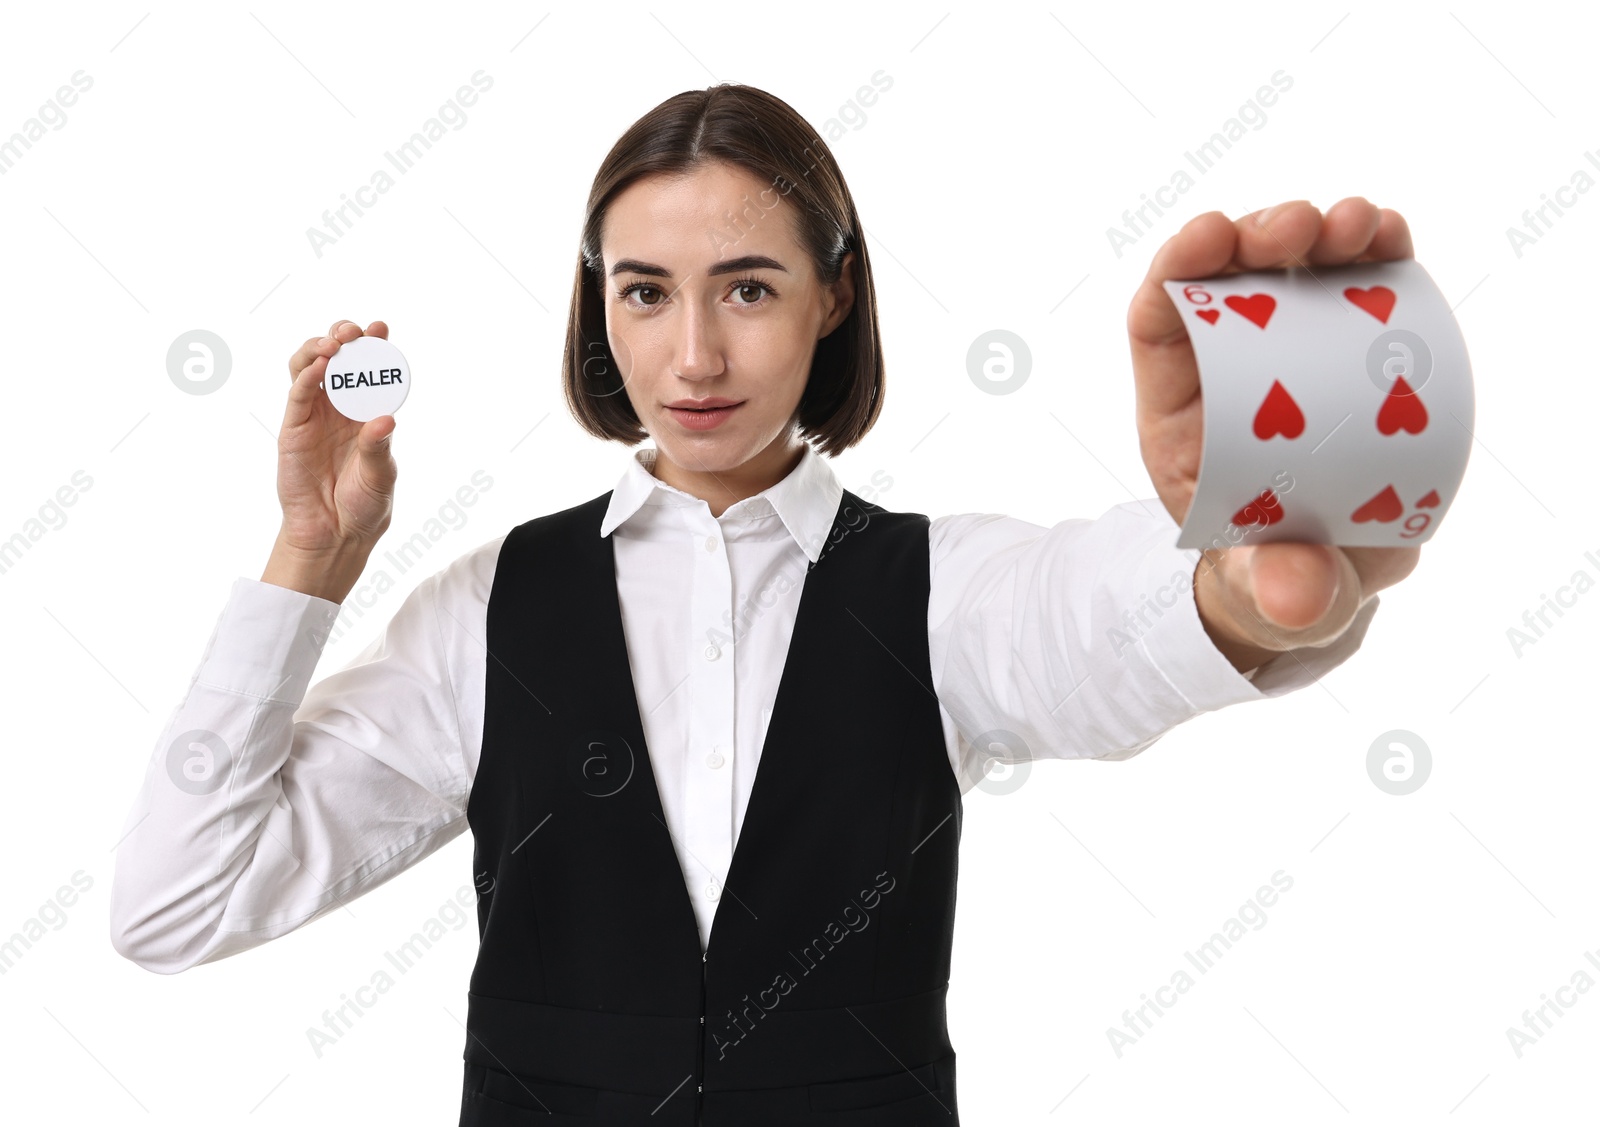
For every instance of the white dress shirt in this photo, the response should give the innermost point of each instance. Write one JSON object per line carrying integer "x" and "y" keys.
{"x": 1081, "y": 640}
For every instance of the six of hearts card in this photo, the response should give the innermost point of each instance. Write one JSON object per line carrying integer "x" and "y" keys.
{"x": 1338, "y": 405}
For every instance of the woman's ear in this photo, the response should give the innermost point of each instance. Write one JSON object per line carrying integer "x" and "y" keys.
{"x": 841, "y": 295}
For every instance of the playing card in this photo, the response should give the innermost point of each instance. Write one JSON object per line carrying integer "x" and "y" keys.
{"x": 1337, "y": 401}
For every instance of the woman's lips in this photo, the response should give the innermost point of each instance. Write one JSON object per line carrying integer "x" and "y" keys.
{"x": 702, "y": 420}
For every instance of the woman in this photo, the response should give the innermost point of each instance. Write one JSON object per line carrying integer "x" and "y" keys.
{"x": 727, "y": 677}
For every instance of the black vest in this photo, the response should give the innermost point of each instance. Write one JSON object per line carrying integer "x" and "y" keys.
{"x": 823, "y": 986}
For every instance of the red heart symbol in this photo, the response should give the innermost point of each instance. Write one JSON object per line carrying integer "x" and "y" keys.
{"x": 1257, "y": 307}
{"x": 1279, "y": 414}
{"x": 1209, "y": 316}
{"x": 1402, "y": 410}
{"x": 1431, "y": 501}
{"x": 1264, "y": 510}
{"x": 1378, "y": 301}
{"x": 1384, "y": 507}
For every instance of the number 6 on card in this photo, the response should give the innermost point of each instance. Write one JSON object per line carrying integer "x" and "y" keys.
{"x": 1338, "y": 405}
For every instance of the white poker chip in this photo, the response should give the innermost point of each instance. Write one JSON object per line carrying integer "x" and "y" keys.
{"x": 367, "y": 378}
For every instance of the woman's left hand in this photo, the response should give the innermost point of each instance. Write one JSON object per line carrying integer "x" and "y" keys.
{"x": 1260, "y": 600}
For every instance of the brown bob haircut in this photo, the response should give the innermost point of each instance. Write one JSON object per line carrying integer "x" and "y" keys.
{"x": 751, "y": 129}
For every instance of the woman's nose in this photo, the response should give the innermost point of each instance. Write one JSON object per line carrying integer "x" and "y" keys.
{"x": 697, "y": 350}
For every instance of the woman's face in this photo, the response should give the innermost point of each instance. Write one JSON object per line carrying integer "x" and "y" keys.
{"x": 708, "y": 296}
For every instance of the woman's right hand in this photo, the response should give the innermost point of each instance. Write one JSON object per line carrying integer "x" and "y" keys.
{"x": 335, "y": 475}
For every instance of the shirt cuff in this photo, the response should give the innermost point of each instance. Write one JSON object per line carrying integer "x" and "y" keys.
{"x": 267, "y": 641}
{"x": 1176, "y": 644}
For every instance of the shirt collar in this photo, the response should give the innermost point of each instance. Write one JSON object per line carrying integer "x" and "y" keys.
{"x": 807, "y": 500}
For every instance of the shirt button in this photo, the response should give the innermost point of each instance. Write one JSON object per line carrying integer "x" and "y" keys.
{"x": 715, "y": 759}
{"x": 711, "y": 543}
{"x": 713, "y": 652}
{"x": 712, "y": 891}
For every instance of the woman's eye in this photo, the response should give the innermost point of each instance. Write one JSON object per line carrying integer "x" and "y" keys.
{"x": 744, "y": 293}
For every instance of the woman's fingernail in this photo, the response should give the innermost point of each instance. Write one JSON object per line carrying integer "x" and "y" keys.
{"x": 1266, "y": 217}
{"x": 1250, "y": 572}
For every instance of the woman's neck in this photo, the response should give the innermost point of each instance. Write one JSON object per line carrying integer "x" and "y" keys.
{"x": 723, "y": 488}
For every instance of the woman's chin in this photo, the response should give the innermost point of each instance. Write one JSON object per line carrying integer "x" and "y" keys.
{"x": 709, "y": 454}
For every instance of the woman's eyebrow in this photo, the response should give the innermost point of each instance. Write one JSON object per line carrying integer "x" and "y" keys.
{"x": 727, "y": 266}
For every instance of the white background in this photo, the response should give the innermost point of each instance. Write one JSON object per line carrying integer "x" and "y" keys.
{"x": 178, "y": 194}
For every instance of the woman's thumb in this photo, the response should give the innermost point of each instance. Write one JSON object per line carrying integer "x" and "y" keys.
{"x": 373, "y": 442}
